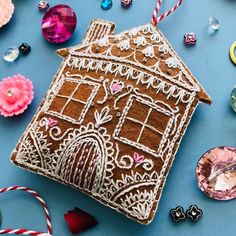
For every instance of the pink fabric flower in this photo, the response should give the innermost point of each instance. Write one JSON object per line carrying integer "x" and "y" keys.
{"x": 7, "y": 9}
{"x": 16, "y": 93}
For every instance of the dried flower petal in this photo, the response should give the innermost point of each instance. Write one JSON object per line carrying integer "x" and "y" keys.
{"x": 78, "y": 220}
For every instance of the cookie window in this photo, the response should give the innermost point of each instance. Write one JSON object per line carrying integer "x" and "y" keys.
{"x": 73, "y": 99}
{"x": 144, "y": 125}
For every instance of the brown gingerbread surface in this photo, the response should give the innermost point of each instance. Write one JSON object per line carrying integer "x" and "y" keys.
{"x": 113, "y": 118}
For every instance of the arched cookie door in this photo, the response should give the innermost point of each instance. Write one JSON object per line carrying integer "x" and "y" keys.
{"x": 84, "y": 158}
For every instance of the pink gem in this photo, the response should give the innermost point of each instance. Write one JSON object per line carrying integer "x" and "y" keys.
{"x": 126, "y": 3}
{"x": 216, "y": 173}
{"x": 190, "y": 39}
{"x": 59, "y": 24}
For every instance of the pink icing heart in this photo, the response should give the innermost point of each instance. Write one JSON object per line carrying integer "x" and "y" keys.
{"x": 116, "y": 87}
{"x": 52, "y": 122}
{"x": 138, "y": 158}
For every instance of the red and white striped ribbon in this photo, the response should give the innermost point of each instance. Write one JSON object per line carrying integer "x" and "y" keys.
{"x": 155, "y": 19}
{"x": 25, "y": 231}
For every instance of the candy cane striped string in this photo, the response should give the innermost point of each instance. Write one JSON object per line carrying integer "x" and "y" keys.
{"x": 155, "y": 19}
{"x": 25, "y": 231}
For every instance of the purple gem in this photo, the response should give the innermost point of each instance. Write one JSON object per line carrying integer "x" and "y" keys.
{"x": 190, "y": 39}
{"x": 43, "y": 5}
{"x": 216, "y": 173}
{"x": 59, "y": 24}
{"x": 126, "y": 3}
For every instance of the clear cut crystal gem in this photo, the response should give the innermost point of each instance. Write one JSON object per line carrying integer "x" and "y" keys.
{"x": 233, "y": 99}
{"x": 214, "y": 23}
{"x": 216, "y": 173}
{"x": 11, "y": 54}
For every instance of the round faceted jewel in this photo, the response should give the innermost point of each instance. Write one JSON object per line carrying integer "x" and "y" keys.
{"x": 106, "y": 4}
{"x": 216, "y": 173}
{"x": 214, "y": 23}
{"x": 11, "y": 54}
{"x": 59, "y": 23}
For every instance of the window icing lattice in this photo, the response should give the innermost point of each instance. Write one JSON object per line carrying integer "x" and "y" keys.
{"x": 72, "y": 104}
{"x": 144, "y": 125}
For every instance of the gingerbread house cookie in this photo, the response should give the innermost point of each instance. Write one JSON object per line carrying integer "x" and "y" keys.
{"x": 113, "y": 118}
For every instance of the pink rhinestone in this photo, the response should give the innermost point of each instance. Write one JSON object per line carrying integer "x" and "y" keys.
{"x": 216, "y": 173}
{"x": 190, "y": 39}
{"x": 59, "y": 24}
{"x": 126, "y": 3}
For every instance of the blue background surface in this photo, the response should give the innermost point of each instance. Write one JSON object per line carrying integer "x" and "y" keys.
{"x": 211, "y": 125}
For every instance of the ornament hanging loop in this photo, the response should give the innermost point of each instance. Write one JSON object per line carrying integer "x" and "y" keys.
{"x": 22, "y": 231}
{"x": 156, "y": 19}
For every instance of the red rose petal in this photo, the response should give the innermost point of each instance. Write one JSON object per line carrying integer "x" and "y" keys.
{"x": 78, "y": 220}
